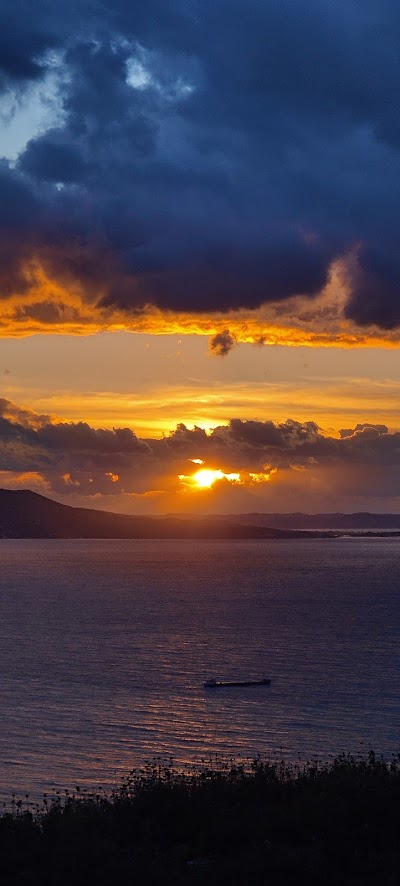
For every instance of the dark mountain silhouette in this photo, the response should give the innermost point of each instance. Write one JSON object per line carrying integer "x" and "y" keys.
{"x": 333, "y": 521}
{"x": 25, "y": 514}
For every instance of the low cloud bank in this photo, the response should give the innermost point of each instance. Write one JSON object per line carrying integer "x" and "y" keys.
{"x": 266, "y": 458}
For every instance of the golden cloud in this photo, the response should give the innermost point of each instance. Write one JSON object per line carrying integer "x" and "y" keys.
{"x": 54, "y": 306}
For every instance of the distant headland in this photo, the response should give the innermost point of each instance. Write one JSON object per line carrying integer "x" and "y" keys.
{"x": 25, "y": 514}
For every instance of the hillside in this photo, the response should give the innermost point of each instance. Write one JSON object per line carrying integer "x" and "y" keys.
{"x": 361, "y": 520}
{"x": 329, "y": 521}
{"x": 25, "y": 514}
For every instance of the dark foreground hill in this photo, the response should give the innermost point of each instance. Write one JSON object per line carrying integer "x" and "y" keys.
{"x": 263, "y": 826}
{"x": 24, "y": 514}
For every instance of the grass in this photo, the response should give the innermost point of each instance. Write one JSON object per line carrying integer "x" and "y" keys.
{"x": 241, "y": 824}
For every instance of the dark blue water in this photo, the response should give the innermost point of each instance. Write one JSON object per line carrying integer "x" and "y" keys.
{"x": 105, "y": 645}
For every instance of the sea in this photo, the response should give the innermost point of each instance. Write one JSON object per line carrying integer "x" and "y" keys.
{"x": 105, "y": 647}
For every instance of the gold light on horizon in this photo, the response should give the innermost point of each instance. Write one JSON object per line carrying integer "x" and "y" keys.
{"x": 207, "y": 477}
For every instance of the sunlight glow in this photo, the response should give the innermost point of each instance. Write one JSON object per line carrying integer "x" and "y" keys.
{"x": 262, "y": 476}
{"x": 206, "y": 477}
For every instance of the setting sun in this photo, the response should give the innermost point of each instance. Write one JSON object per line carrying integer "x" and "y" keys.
{"x": 206, "y": 477}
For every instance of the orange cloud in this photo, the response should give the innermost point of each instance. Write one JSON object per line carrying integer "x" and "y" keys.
{"x": 244, "y": 463}
{"x": 25, "y": 480}
{"x": 62, "y": 306}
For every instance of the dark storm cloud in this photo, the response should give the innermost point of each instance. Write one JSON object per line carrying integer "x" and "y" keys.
{"x": 22, "y": 45}
{"x": 207, "y": 155}
{"x": 76, "y": 458}
{"x": 50, "y": 159}
{"x": 29, "y": 35}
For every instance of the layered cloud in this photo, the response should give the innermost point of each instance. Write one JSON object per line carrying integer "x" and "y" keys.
{"x": 256, "y": 463}
{"x": 217, "y": 167}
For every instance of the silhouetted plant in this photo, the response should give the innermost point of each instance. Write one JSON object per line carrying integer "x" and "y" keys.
{"x": 230, "y": 822}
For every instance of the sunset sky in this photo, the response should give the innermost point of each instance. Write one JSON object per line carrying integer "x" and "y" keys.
{"x": 199, "y": 254}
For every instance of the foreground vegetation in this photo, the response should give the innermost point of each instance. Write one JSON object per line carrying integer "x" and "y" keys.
{"x": 257, "y": 824}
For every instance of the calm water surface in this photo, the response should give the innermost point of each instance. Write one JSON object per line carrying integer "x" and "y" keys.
{"x": 105, "y": 645}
